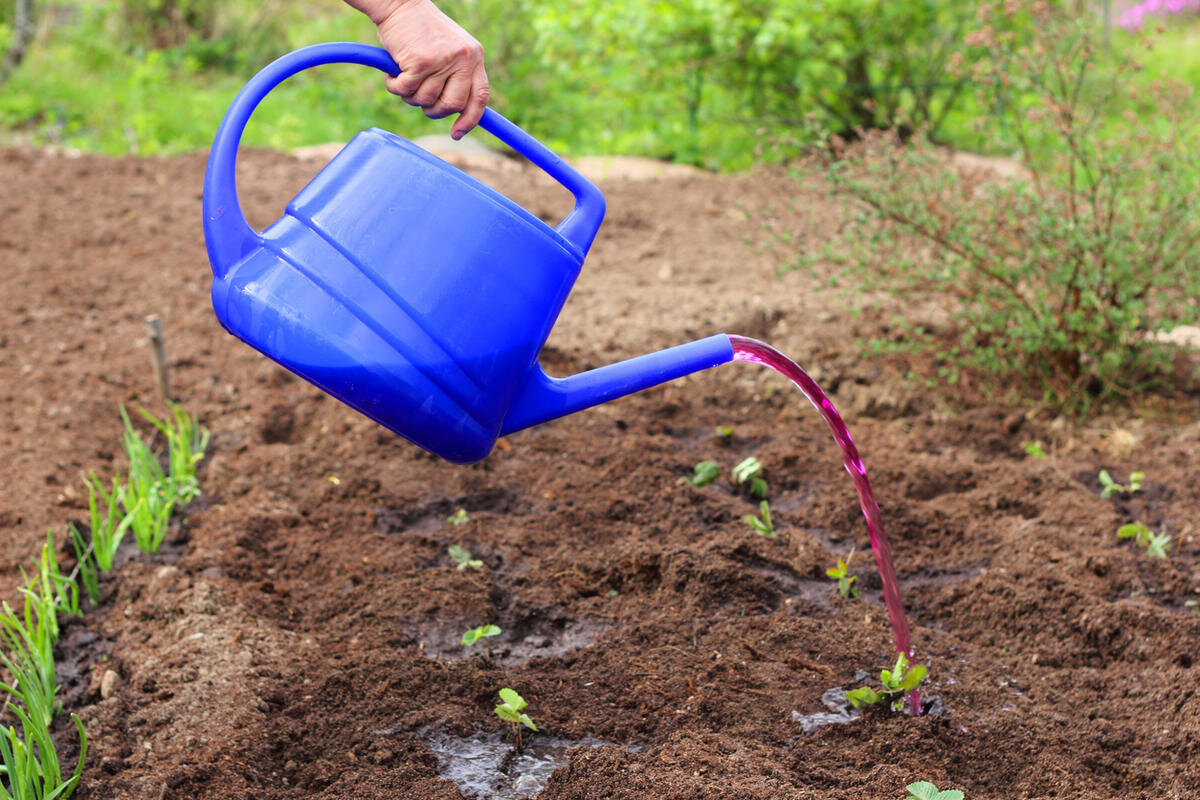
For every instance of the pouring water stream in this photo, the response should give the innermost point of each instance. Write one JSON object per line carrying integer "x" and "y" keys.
{"x": 746, "y": 349}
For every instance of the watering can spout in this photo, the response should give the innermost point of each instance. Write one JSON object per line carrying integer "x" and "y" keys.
{"x": 544, "y": 398}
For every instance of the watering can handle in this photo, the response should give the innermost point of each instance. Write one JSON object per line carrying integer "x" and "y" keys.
{"x": 229, "y": 237}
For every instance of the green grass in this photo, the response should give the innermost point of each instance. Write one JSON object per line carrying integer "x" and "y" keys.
{"x": 29, "y": 763}
{"x": 82, "y": 88}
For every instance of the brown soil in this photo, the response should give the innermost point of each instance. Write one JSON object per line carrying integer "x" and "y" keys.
{"x": 295, "y": 637}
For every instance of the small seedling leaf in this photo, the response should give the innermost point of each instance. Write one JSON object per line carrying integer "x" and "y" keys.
{"x": 1158, "y": 544}
{"x": 912, "y": 679}
{"x": 747, "y": 469}
{"x": 512, "y": 699}
{"x": 863, "y": 696}
{"x": 923, "y": 790}
{"x": 1129, "y": 531}
{"x": 527, "y": 722}
{"x": 834, "y": 572}
{"x": 704, "y": 473}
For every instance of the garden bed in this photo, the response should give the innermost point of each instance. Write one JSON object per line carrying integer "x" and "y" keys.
{"x": 295, "y": 637}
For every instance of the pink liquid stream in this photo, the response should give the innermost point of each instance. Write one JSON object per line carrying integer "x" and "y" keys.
{"x": 745, "y": 349}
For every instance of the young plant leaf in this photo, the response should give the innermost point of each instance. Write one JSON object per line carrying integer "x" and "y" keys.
{"x": 863, "y": 696}
{"x": 469, "y": 638}
{"x": 512, "y": 699}
{"x": 747, "y": 469}
{"x": 462, "y": 557}
{"x": 704, "y": 473}
{"x": 758, "y": 488}
{"x": 924, "y": 790}
{"x": 762, "y": 526}
{"x": 1158, "y": 545}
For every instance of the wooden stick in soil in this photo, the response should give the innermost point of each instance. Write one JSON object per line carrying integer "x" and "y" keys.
{"x": 158, "y": 355}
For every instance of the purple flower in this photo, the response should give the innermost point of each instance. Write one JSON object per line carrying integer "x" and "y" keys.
{"x": 1133, "y": 18}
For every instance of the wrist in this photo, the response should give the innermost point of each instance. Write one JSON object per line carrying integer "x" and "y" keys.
{"x": 380, "y": 10}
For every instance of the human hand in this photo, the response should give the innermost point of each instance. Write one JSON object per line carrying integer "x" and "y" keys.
{"x": 441, "y": 64}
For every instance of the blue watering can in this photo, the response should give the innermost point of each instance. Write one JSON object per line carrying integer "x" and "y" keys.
{"x": 409, "y": 290}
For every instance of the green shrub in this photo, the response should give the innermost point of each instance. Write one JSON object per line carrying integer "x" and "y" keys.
{"x": 703, "y": 80}
{"x": 1059, "y": 276}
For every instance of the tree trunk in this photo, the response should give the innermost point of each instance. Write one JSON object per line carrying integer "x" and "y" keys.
{"x": 21, "y": 37}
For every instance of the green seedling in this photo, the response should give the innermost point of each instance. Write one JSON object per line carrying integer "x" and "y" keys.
{"x": 749, "y": 471}
{"x": 841, "y": 573}
{"x": 724, "y": 431}
{"x": 186, "y": 443}
{"x": 459, "y": 517}
{"x": 1033, "y": 449}
{"x": 85, "y": 566}
{"x": 1111, "y": 487}
{"x": 150, "y": 495}
{"x": 27, "y": 655}
{"x": 462, "y": 557}
{"x": 1192, "y": 604}
{"x": 704, "y": 473}
{"x": 107, "y": 532}
{"x": 485, "y": 632}
{"x": 1156, "y": 544}
{"x": 32, "y": 771}
{"x": 510, "y": 710}
{"x": 49, "y": 591}
{"x": 924, "y": 790}
{"x": 761, "y": 525}
{"x": 50, "y": 586}
{"x": 896, "y": 682}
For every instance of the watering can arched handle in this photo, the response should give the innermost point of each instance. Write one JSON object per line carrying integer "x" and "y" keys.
{"x": 229, "y": 237}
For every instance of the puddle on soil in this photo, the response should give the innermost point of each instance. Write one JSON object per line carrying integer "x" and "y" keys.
{"x": 840, "y": 712}
{"x": 486, "y": 766}
{"x": 540, "y": 636}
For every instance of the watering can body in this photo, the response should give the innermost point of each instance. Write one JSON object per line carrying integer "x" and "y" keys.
{"x": 408, "y": 289}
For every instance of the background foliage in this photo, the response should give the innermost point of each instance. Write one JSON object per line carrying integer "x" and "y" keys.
{"x": 713, "y": 82}
{"x": 1061, "y": 273}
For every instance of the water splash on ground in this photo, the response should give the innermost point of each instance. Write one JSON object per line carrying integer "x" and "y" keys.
{"x": 488, "y": 766}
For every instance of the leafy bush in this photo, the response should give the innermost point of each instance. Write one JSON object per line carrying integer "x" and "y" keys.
{"x": 700, "y": 80}
{"x": 1062, "y": 274}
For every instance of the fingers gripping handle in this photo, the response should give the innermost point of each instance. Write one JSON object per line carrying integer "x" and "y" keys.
{"x": 229, "y": 237}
